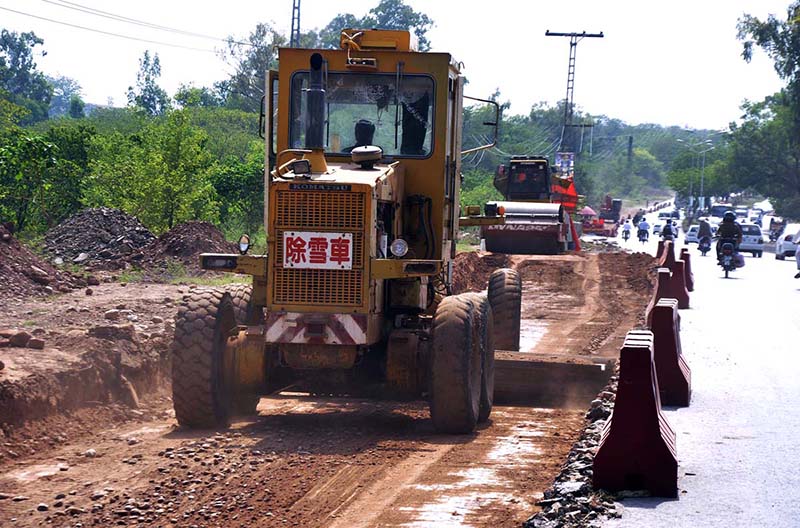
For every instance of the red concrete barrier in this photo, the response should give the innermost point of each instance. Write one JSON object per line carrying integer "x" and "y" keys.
{"x": 660, "y": 291}
{"x": 669, "y": 255}
{"x": 686, "y": 257}
{"x": 637, "y": 447}
{"x": 676, "y": 287}
{"x": 660, "y": 252}
{"x": 674, "y": 375}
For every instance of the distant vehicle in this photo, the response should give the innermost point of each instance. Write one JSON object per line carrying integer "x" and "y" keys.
{"x": 717, "y": 211}
{"x": 657, "y": 228}
{"x": 741, "y": 212}
{"x": 664, "y": 214}
{"x": 752, "y": 240}
{"x": 691, "y": 235}
{"x": 784, "y": 247}
{"x": 676, "y": 214}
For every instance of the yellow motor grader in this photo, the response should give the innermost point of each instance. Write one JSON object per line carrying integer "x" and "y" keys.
{"x": 361, "y": 214}
{"x": 353, "y": 295}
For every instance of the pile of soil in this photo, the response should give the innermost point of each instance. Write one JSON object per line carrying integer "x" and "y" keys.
{"x": 471, "y": 270}
{"x": 23, "y": 273}
{"x": 101, "y": 237}
{"x": 180, "y": 247}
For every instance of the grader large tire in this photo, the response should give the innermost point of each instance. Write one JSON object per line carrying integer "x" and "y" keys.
{"x": 201, "y": 393}
{"x": 505, "y": 296}
{"x": 455, "y": 366}
{"x": 244, "y": 403}
{"x": 485, "y": 329}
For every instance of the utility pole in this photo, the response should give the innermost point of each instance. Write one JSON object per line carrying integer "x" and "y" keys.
{"x": 294, "y": 36}
{"x": 566, "y": 129}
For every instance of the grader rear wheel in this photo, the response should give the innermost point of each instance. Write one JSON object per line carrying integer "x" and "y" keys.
{"x": 244, "y": 403}
{"x": 201, "y": 388}
{"x": 505, "y": 296}
{"x": 456, "y": 366}
{"x": 485, "y": 329}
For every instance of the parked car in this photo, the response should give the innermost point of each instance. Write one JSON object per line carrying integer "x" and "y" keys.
{"x": 691, "y": 235}
{"x": 657, "y": 228}
{"x": 752, "y": 240}
{"x": 784, "y": 247}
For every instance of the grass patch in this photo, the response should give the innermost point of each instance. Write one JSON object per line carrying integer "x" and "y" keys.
{"x": 218, "y": 280}
{"x": 131, "y": 275}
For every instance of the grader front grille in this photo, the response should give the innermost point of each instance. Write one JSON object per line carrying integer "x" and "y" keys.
{"x": 334, "y": 211}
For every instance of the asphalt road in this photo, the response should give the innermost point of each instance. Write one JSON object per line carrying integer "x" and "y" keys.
{"x": 738, "y": 441}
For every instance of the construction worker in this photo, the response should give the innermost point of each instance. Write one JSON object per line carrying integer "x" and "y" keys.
{"x": 729, "y": 229}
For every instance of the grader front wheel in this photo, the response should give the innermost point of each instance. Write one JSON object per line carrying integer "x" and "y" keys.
{"x": 201, "y": 388}
{"x": 485, "y": 330}
{"x": 455, "y": 366}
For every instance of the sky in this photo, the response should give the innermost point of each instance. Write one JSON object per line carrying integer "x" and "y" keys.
{"x": 674, "y": 63}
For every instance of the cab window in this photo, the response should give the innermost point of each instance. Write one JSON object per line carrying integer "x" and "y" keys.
{"x": 390, "y": 111}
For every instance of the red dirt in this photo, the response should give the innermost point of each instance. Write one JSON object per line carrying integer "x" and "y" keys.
{"x": 22, "y": 273}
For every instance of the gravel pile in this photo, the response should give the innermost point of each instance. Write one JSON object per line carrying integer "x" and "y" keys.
{"x": 572, "y": 502}
{"x": 102, "y": 237}
{"x": 23, "y": 273}
{"x": 180, "y": 248}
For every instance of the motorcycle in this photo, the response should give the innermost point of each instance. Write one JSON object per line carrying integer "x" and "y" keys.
{"x": 704, "y": 245}
{"x": 727, "y": 258}
{"x": 643, "y": 235}
{"x": 626, "y": 234}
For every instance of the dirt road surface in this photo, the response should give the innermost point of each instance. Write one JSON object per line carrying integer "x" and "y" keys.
{"x": 94, "y": 461}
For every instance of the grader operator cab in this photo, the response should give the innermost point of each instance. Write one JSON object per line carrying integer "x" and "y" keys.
{"x": 361, "y": 214}
{"x": 538, "y": 203}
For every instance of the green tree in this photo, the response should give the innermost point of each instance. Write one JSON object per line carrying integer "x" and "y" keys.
{"x": 239, "y": 183}
{"x": 388, "y": 14}
{"x": 64, "y": 90}
{"x": 189, "y": 96}
{"x": 251, "y": 60}
{"x": 76, "y": 106}
{"x": 148, "y": 95}
{"x": 20, "y": 81}
{"x": 160, "y": 174}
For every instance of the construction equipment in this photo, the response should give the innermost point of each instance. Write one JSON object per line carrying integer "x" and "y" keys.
{"x": 361, "y": 214}
{"x": 607, "y": 223}
{"x": 538, "y": 205}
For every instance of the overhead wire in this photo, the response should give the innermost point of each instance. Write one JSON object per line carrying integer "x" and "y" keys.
{"x": 120, "y": 18}
{"x": 109, "y": 33}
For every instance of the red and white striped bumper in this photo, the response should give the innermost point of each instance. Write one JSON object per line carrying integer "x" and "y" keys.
{"x": 316, "y": 328}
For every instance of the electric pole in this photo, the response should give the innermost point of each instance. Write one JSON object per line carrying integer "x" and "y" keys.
{"x": 567, "y": 135}
{"x": 294, "y": 36}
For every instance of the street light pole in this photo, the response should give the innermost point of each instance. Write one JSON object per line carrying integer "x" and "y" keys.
{"x": 702, "y": 178}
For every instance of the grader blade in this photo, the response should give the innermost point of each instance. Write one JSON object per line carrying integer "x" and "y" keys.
{"x": 548, "y": 380}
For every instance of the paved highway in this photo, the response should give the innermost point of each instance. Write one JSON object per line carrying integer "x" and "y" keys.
{"x": 738, "y": 441}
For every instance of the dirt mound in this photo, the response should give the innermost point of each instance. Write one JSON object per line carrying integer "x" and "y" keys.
{"x": 180, "y": 247}
{"x": 23, "y": 273}
{"x": 101, "y": 237}
{"x": 471, "y": 270}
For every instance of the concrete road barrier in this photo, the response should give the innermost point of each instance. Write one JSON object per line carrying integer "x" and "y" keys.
{"x": 674, "y": 374}
{"x": 687, "y": 259}
{"x": 637, "y": 448}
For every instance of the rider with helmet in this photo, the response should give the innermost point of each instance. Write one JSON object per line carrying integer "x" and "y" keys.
{"x": 729, "y": 229}
{"x": 644, "y": 229}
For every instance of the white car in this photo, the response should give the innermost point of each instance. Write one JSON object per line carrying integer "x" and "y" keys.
{"x": 752, "y": 240}
{"x": 691, "y": 235}
{"x": 797, "y": 254}
{"x": 784, "y": 246}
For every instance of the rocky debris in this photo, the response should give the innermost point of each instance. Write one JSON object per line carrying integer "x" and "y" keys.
{"x": 22, "y": 273}
{"x": 21, "y": 339}
{"x": 572, "y": 502}
{"x": 102, "y": 237}
{"x": 178, "y": 250}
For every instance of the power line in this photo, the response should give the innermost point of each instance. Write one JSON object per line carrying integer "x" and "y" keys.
{"x": 119, "y": 18}
{"x": 128, "y": 37}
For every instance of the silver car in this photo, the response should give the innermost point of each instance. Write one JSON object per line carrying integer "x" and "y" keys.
{"x": 784, "y": 247}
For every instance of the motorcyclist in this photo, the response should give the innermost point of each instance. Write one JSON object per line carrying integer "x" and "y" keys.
{"x": 668, "y": 231}
{"x": 626, "y": 229}
{"x": 644, "y": 229}
{"x": 729, "y": 229}
{"x": 704, "y": 230}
